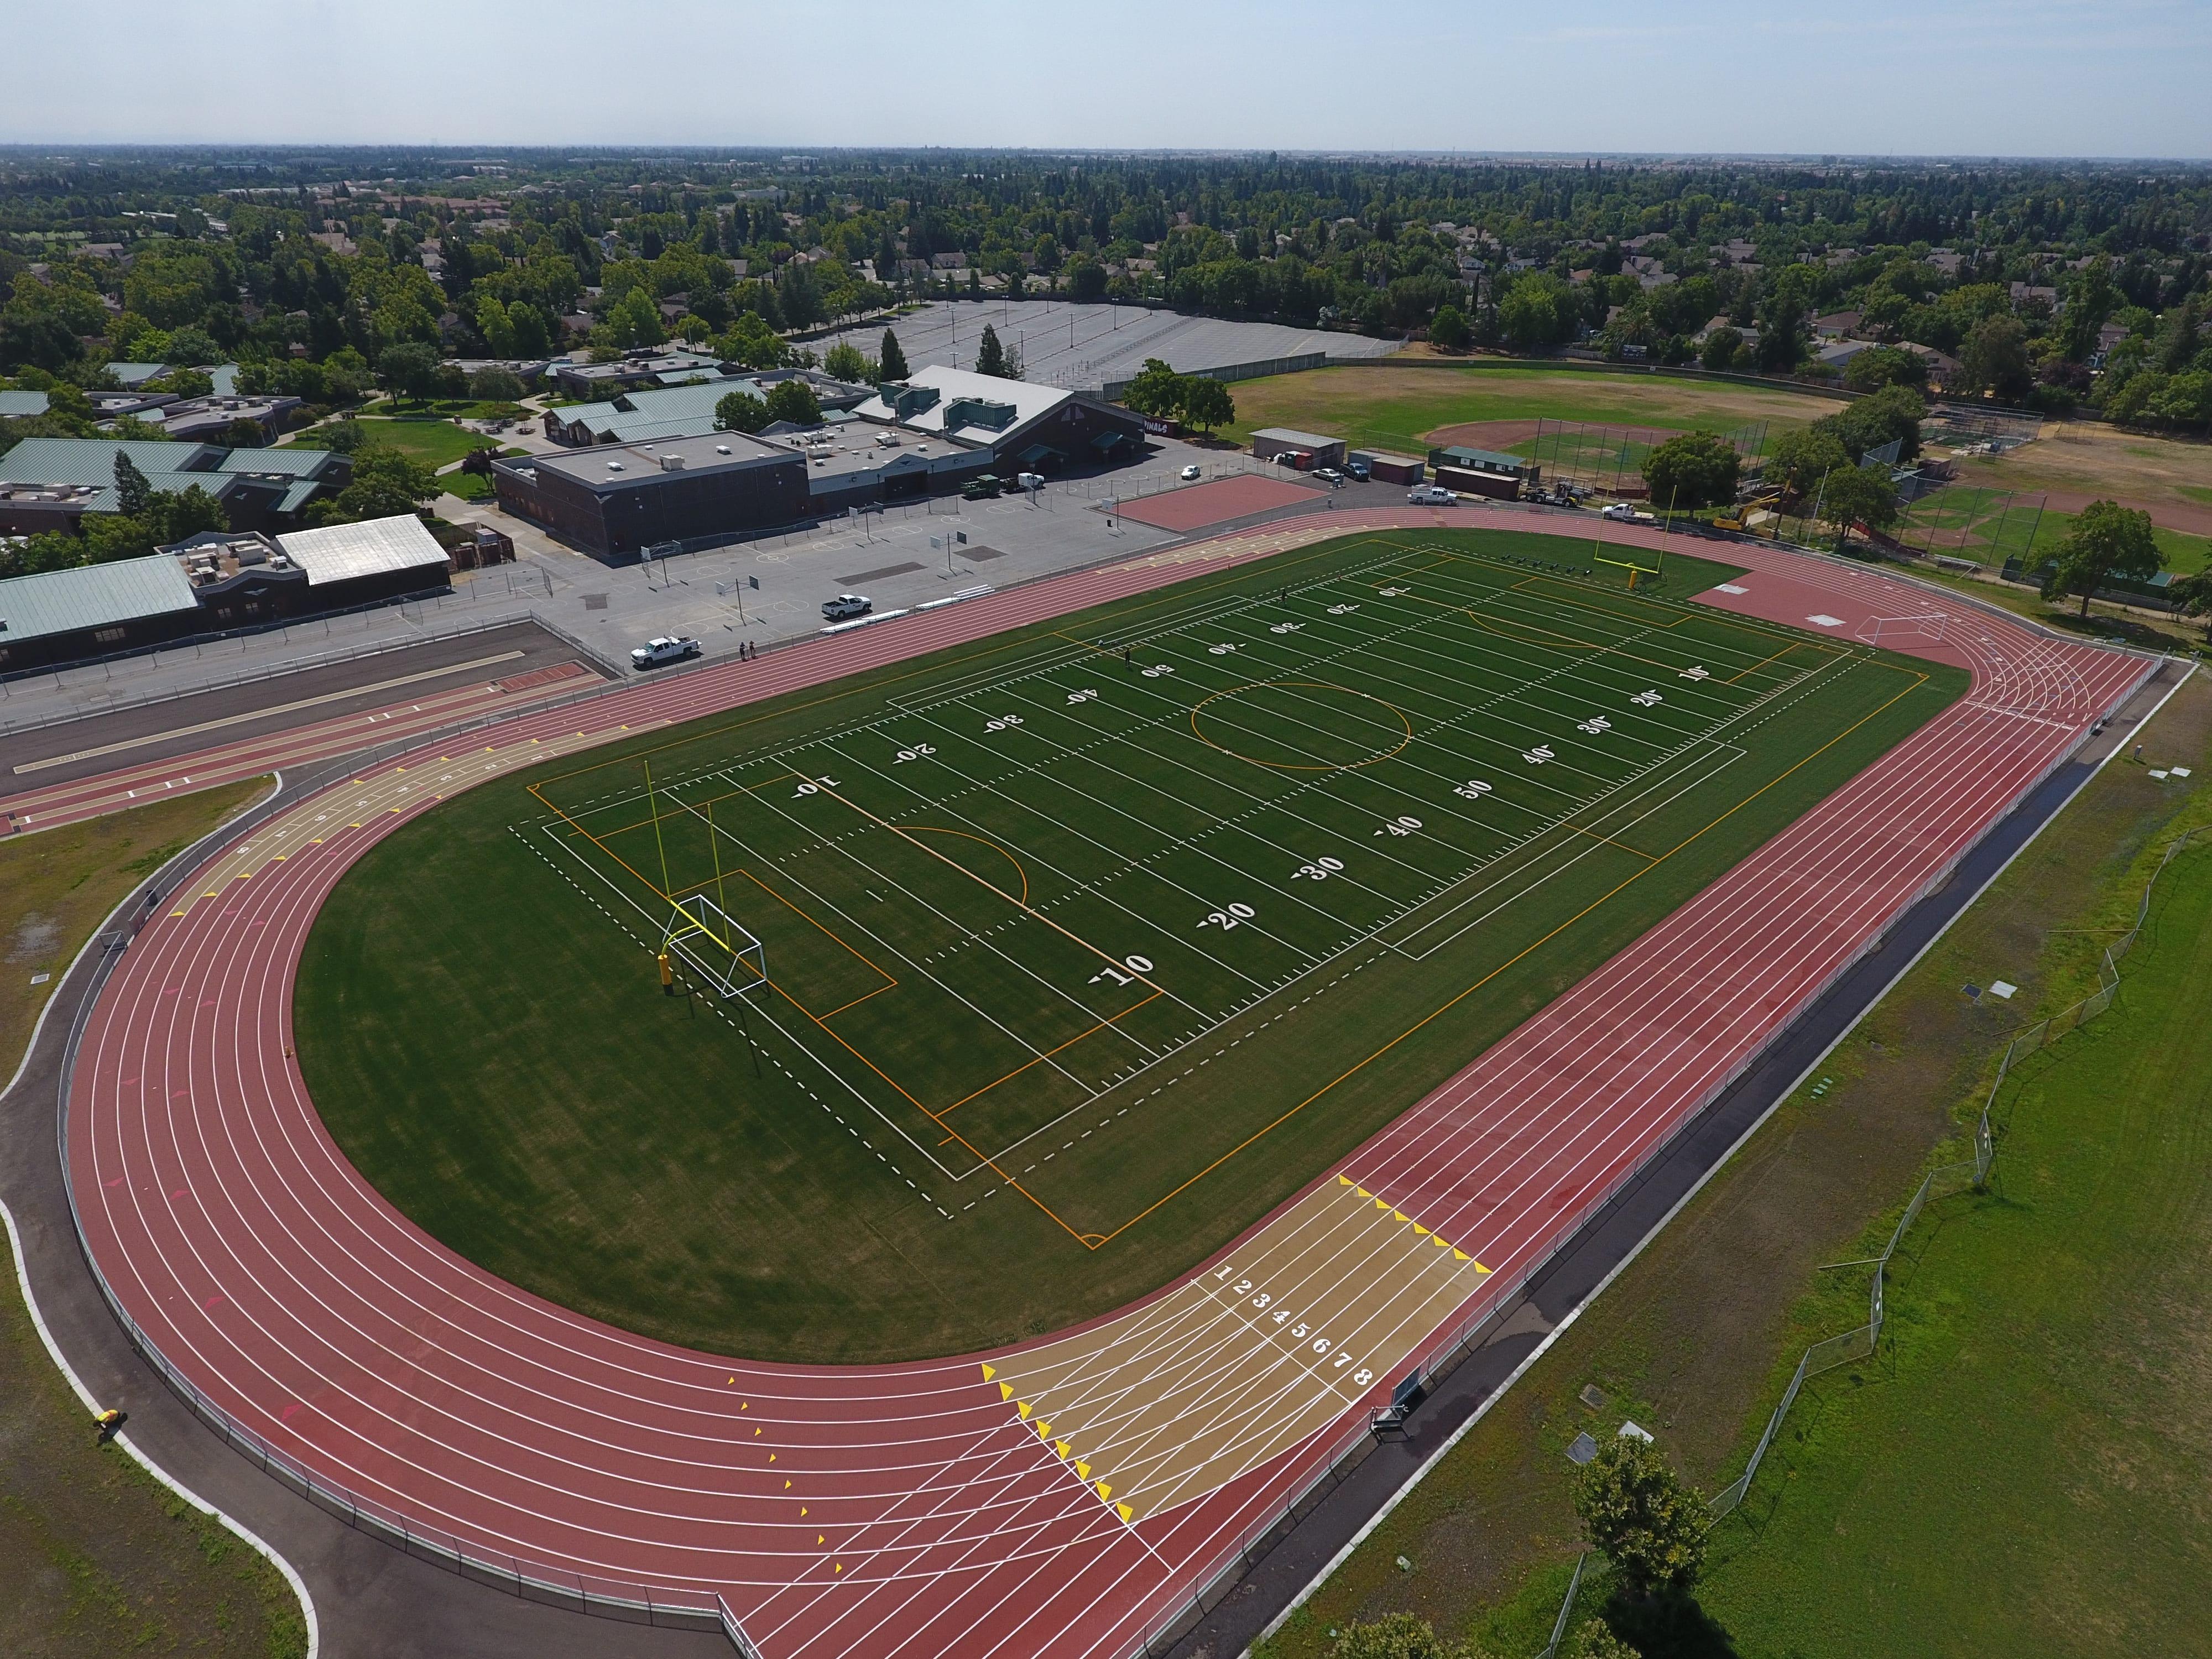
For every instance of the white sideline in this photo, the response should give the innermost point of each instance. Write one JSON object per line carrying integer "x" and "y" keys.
{"x": 92, "y": 1406}
{"x": 1328, "y": 1569}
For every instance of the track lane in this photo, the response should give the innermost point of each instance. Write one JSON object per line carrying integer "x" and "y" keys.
{"x": 279, "y": 1281}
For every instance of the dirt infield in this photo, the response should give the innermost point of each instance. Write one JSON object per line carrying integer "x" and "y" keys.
{"x": 1205, "y": 504}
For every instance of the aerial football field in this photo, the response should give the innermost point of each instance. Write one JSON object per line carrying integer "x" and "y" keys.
{"x": 1003, "y": 985}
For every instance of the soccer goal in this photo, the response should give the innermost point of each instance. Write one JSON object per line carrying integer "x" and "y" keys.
{"x": 1895, "y": 630}
{"x": 712, "y": 944}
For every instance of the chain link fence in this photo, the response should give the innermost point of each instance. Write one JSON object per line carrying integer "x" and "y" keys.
{"x": 1860, "y": 1342}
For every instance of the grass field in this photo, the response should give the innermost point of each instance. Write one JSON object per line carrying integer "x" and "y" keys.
{"x": 429, "y": 440}
{"x": 1942, "y": 1499}
{"x": 2083, "y": 460}
{"x": 1353, "y": 812}
{"x": 56, "y": 885}
{"x": 1396, "y": 409}
{"x": 94, "y": 1556}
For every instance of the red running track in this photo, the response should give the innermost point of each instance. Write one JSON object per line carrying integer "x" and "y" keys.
{"x": 873, "y": 1509}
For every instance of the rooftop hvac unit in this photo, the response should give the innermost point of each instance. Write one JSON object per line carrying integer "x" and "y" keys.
{"x": 671, "y": 463}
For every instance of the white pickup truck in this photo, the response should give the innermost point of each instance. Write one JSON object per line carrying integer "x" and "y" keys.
{"x": 668, "y": 648}
{"x": 1622, "y": 513}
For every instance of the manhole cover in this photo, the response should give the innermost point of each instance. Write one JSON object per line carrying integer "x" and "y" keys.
{"x": 1582, "y": 1450}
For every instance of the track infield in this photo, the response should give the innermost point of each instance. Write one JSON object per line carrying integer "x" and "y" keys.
{"x": 1079, "y": 950}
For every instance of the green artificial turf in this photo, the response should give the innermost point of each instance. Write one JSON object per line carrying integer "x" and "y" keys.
{"x": 1118, "y": 956}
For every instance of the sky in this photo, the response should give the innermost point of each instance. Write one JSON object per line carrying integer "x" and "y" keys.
{"x": 1950, "y": 77}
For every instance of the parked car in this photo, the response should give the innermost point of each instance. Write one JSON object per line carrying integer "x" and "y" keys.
{"x": 1191, "y": 474}
{"x": 1329, "y": 476}
{"x": 1429, "y": 496}
{"x": 845, "y": 605}
{"x": 668, "y": 648}
{"x": 1358, "y": 469}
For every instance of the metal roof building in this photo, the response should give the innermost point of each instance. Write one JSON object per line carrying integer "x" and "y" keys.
{"x": 677, "y": 412}
{"x": 375, "y": 547}
{"x": 91, "y": 598}
{"x": 250, "y": 482}
{"x": 15, "y": 404}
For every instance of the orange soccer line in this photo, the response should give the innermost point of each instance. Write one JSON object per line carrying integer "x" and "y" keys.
{"x": 1444, "y": 1007}
{"x": 1103, "y": 1024}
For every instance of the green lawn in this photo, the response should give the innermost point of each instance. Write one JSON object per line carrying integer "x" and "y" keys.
{"x": 1991, "y": 525}
{"x": 2020, "y": 1469}
{"x": 1383, "y": 407}
{"x": 1008, "y": 893}
{"x": 429, "y": 440}
{"x": 96, "y": 1557}
{"x": 466, "y": 486}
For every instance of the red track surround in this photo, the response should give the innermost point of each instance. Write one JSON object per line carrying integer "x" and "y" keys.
{"x": 278, "y": 1287}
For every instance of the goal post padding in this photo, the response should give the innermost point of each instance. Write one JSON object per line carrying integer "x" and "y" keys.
{"x": 714, "y": 945}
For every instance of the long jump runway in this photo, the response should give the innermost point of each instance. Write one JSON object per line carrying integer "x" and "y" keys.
{"x": 1069, "y": 1497}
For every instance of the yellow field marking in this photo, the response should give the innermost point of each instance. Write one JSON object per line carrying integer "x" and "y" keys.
{"x": 1607, "y": 840}
{"x": 1452, "y": 1002}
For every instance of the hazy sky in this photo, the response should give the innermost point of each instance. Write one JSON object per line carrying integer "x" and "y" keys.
{"x": 1974, "y": 77}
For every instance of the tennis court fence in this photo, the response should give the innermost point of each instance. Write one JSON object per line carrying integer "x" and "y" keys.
{"x": 1860, "y": 1342}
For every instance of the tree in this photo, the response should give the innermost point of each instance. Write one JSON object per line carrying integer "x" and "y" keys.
{"x": 1721, "y": 350}
{"x": 1157, "y": 391}
{"x": 1858, "y": 494}
{"x": 1538, "y": 310}
{"x": 846, "y": 363}
{"x": 41, "y": 339}
{"x": 1800, "y": 460}
{"x": 1995, "y": 359}
{"x": 1651, "y": 1526}
{"x": 1399, "y": 1636}
{"x": 172, "y": 515}
{"x": 1892, "y": 414}
{"x": 891, "y": 361}
{"x": 385, "y": 485}
{"x": 752, "y": 343}
{"x": 740, "y": 411}
{"x": 1594, "y": 1639}
{"x": 496, "y": 385}
{"x": 990, "y": 355}
{"x": 632, "y": 321}
{"x": 243, "y": 434}
{"x": 794, "y": 401}
{"x": 1206, "y": 402}
{"x": 1448, "y": 329}
{"x": 132, "y": 492}
{"x": 2106, "y": 540}
{"x": 2194, "y": 595}
{"x": 1884, "y": 366}
{"x": 408, "y": 369}
{"x": 1087, "y": 280}
{"x": 1692, "y": 470}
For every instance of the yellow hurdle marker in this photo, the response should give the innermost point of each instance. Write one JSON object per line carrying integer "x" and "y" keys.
{"x": 989, "y": 1372}
{"x": 1023, "y": 1406}
{"x": 1082, "y": 1470}
{"x": 1006, "y": 1391}
{"x": 1127, "y": 1514}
